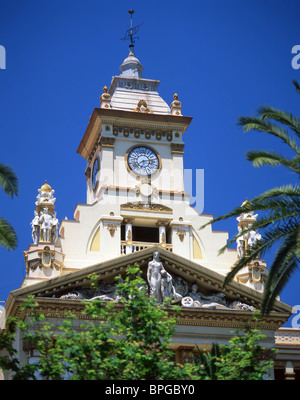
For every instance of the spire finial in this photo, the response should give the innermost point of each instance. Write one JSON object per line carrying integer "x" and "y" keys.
{"x": 176, "y": 105}
{"x": 130, "y": 33}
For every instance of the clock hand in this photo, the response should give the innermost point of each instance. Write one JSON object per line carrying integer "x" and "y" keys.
{"x": 142, "y": 163}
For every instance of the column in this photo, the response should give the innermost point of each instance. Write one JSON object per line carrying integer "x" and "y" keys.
{"x": 162, "y": 232}
{"x": 128, "y": 234}
{"x": 162, "y": 236}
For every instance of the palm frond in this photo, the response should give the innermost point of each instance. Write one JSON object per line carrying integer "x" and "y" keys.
{"x": 256, "y": 124}
{"x": 286, "y": 190}
{"x": 208, "y": 360}
{"x": 8, "y": 238}
{"x": 260, "y": 158}
{"x": 285, "y": 118}
{"x": 283, "y": 266}
{"x": 262, "y": 223}
{"x": 297, "y": 86}
{"x": 264, "y": 201}
{"x": 280, "y": 206}
{"x": 8, "y": 180}
{"x": 270, "y": 237}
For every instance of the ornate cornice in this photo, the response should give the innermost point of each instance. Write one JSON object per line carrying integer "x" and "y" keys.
{"x": 102, "y": 116}
{"x": 106, "y": 141}
{"x": 193, "y": 273}
{"x": 54, "y": 308}
{"x": 146, "y": 206}
{"x": 144, "y": 132}
{"x": 287, "y": 336}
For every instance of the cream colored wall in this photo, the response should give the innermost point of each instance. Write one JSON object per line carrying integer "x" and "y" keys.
{"x": 210, "y": 242}
{"x": 113, "y": 170}
{"x": 78, "y": 235}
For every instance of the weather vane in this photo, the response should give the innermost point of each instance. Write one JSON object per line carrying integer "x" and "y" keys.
{"x": 130, "y": 33}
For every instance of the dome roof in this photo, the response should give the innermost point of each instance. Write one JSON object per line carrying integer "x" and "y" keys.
{"x": 131, "y": 67}
{"x": 46, "y": 188}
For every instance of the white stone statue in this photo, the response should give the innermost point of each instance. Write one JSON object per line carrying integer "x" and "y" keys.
{"x": 154, "y": 271}
{"x": 181, "y": 286}
{"x": 35, "y": 227}
{"x": 253, "y": 238}
{"x": 45, "y": 197}
{"x": 247, "y": 216}
{"x": 237, "y": 305}
{"x": 248, "y": 219}
{"x": 45, "y": 221}
{"x": 167, "y": 288}
{"x": 54, "y": 227}
{"x": 240, "y": 246}
{"x": 197, "y": 299}
{"x": 160, "y": 281}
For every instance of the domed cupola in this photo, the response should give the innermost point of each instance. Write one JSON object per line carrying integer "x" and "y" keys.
{"x": 131, "y": 67}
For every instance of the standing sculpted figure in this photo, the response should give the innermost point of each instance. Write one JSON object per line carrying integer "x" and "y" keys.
{"x": 45, "y": 221}
{"x": 167, "y": 288}
{"x": 240, "y": 246}
{"x": 155, "y": 268}
{"x": 54, "y": 227}
{"x": 35, "y": 227}
{"x": 253, "y": 238}
{"x": 160, "y": 281}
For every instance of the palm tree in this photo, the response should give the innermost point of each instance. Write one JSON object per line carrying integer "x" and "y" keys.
{"x": 9, "y": 183}
{"x": 280, "y": 206}
{"x": 208, "y": 360}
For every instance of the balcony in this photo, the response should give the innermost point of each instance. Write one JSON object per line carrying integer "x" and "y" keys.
{"x": 138, "y": 246}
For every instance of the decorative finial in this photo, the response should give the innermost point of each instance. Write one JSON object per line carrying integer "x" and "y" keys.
{"x": 46, "y": 188}
{"x": 245, "y": 202}
{"x": 176, "y": 105}
{"x": 105, "y": 98}
{"x": 130, "y": 33}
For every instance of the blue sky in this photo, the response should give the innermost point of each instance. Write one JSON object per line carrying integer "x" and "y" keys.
{"x": 223, "y": 58}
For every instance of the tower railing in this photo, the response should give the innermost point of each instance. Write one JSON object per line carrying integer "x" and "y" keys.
{"x": 137, "y": 246}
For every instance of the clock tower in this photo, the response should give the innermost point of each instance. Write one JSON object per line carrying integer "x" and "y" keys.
{"x": 133, "y": 147}
{"x": 137, "y": 212}
{"x": 134, "y": 140}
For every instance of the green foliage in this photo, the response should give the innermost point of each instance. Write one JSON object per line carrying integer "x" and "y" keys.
{"x": 8, "y": 180}
{"x": 9, "y": 355}
{"x": 207, "y": 361}
{"x": 124, "y": 340}
{"x": 243, "y": 359}
{"x": 280, "y": 206}
{"x": 9, "y": 183}
{"x": 127, "y": 340}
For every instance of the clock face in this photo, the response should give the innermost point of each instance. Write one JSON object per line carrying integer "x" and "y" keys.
{"x": 95, "y": 173}
{"x": 143, "y": 161}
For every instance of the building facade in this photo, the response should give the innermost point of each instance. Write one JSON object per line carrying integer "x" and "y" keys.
{"x": 137, "y": 212}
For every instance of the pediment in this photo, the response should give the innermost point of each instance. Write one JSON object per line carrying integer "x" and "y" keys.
{"x": 191, "y": 285}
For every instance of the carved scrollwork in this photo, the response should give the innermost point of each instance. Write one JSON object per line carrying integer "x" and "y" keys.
{"x": 142, "y": 106}
{"x": 146, "y": 206}
{"x": 163, "y": 286}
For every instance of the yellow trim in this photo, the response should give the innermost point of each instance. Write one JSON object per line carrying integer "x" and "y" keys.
{"x": 95, "y": 244}
{"x": 197, "y": 253}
